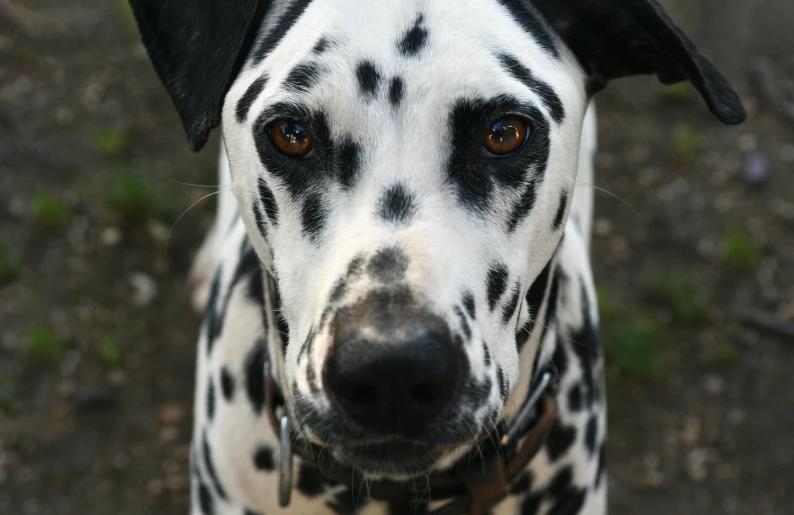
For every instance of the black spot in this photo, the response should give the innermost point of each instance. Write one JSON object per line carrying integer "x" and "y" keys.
{"x": 227, "y": 384}
{"x": 553, "y": 300}
{"x": 260, "y": 221}
{"x": 522, "y": 484}
{"x": 532, "y": 23}
{"x": 590, "y": 434}
{"x": 504, "y": 388}
{"x": 211, "y": 400}
{"x": 396, "y": 205}
{"x": 486, "y": 354}
{"x": 321, "y": 46}
{"x": 510, "y": 307}
{"x": 602, "y": 463}
{"x": 570, "y": 503}
{"x": 302, "y": 77}
{"x": 524, "y": 204}
{"x": 561, "y": 481}
{"x": 560, "y": 440}
{"x": 285, "y": 23}
{"x": 559, "y": 359}
{"x": 415, "y": 39}
{"x": 313, "y": 215}
{"x": 311, "y": 481}
{"x": 250, "y": 512}
{"x": 348, "y": 163}
{"x": 531, "y": 504}
{"x": 210, "y": 466}
{"x": 396, "y": 91}
{"x": 464, "y": 324}
{"x": 534, "y": 299}
{"x": 213, "y": 320}
{"x": 268, "y": 201}
{"x": 587, "y": 348}
{"x": 263, "y": 458}
{"x": 388, "y": 265}
{"x": 206, "y": 502}
{"x": 368, "y": 78}
{"x": 468, "y": 303}
{"x": 496, "y": 283}
{"x": 475, "y": 175}
{"x": 560, "y": 211}
{"x": 575, "y": 398}
{"x": 248, "y": 98}
{"x": 281, "y": 323}
{"x": 546, "y": 93}
{"x": 254, "y": 376}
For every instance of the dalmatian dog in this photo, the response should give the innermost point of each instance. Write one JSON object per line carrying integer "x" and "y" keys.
{"x": 404, "y": 253}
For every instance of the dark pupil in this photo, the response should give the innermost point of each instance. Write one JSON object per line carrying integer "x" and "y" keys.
{"x": 293, "y": 133}
{"x": 504, "y": 132}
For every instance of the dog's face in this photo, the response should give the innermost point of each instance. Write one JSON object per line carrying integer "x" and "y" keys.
{"x": 405, "y": 170}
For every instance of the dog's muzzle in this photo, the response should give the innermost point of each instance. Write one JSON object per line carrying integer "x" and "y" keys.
{"x": 472, "y": 486}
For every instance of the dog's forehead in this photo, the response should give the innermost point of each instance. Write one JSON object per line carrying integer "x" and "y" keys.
{"x": 365, "y": 64}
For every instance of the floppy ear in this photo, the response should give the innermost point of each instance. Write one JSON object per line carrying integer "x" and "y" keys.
{"x": 197, "y": 47}
{"x": 617, "y": 38}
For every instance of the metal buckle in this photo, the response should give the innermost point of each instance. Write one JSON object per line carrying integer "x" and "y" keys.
{"x": 284, "y": 470}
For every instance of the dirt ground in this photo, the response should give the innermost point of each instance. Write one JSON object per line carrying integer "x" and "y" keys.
{"x": 694, "y": 268}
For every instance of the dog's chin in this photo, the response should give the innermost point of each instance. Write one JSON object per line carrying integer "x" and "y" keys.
{"x": 394, "y": 459}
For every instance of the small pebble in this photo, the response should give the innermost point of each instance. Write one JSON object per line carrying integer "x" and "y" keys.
{"x": 170, "y": 414}
{"x": 756, "y": 168}
{"x": 696, "y": 464}
{"x": 110, "y": 236}
{"x": 144, "y": 288}
{"x": 714, "y": 384}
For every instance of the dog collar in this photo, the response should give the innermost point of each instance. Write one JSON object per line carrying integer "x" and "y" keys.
{"x": 472, "y": 487}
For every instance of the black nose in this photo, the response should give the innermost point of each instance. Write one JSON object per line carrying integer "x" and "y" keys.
{"x": 395, "y": 379}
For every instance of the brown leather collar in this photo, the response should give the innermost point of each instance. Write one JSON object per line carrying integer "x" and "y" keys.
{"x": 472, "y": 486}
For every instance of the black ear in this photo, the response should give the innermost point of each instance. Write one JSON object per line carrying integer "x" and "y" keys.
{"x": 617, "y": 38}
{"x": 197, "y": 47}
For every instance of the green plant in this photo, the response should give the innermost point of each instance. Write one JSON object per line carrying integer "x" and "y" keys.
{"x": 109, "y": 351}
{"x": 740, "y": 251}
{"x": 687, "y": 141}
{"x": 50, "y": 212}
{"x": 131, "y": 198}
{"x": 43, "y": 344}
{"x": 684, "y": 292}
{"x": 10, "y": 262}
{"x": 111, "y": 141}
{"x": 634, "y": 347}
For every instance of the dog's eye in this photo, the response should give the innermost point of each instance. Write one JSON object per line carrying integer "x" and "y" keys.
{"x": 291, "y": 137}
{"x": 505, "y": 137}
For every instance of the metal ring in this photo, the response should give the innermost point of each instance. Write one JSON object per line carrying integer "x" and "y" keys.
{"x": 526, "y": 410}
{"x": 284, "y": 472}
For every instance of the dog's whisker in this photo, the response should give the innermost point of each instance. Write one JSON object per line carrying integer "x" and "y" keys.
{"x": 168, "y": 238}
{"x": 221, "y": 187}
{"x": 613, "y": 195}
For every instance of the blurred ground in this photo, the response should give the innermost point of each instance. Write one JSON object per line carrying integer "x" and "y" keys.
{"x": 96, "y": 335}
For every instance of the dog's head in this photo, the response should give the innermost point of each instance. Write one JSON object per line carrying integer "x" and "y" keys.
{"x": 405, "y": 170}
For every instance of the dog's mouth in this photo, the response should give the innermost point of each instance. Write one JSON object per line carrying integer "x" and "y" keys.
{"x": 393, "y": 458}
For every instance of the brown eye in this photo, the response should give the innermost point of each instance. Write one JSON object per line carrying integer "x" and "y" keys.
{"x": 505, "y": 136}
{"x": 291, "y": 137}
